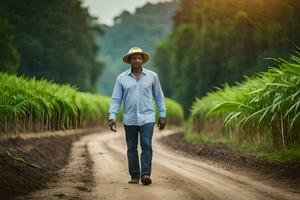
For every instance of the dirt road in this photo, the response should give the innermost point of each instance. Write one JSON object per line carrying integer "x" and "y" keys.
{"x": 98, "y": 169}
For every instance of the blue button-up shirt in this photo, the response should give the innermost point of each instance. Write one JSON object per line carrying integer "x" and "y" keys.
{"x": 137, "y": 96}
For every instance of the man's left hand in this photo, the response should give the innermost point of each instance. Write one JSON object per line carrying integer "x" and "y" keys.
{"x": 161, "y": 123}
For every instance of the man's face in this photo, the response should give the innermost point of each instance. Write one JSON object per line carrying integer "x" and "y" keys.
{"x": 136, "y": 60}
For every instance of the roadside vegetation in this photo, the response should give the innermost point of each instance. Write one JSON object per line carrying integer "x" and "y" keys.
{"x": 260, "y": 115}
{"x": 28, "y": 104}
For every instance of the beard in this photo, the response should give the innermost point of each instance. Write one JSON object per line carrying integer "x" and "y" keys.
{"x": 136, "y": 65}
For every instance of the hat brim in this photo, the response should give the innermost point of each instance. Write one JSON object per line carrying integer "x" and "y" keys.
{"x": 126, "y": 57}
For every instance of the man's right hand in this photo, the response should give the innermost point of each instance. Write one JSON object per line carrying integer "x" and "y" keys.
{"x": 112, "y": 124}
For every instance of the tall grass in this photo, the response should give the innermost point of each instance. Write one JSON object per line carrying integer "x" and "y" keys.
{"x": 175, "y": 114}
{"x": 27, "y": 104}
{"x": 263, "y": 109}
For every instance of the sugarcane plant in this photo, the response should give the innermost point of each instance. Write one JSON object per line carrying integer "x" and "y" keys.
{"x": 31, "y": 105}
{"x": 27, "y": 104}
{"x": 265, "y": 106}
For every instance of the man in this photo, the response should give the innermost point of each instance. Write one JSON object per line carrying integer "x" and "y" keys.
{"x": 136, "y": 87}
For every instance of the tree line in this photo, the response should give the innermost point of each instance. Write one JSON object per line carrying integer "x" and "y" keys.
{"x": 215, "y": 41}
{"x": 51, "y": 39}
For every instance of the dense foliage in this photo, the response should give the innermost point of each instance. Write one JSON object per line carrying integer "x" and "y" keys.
{"x": 216, "y": 41}
{"x": 55, "y": 40}
{"x": 37, "y": 105}
{"x": 264, "y": 109}
{"x": 9, "y": 56}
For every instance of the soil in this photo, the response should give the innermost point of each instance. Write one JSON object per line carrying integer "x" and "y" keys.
{"x": 221, "y": 155}
{"x": 40, "y": 155}
{"x": 95, "y": 167}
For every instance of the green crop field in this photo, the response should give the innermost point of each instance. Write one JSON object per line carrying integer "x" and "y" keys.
{"x": 263, "y": 110}
{"x": 27, "y": 104}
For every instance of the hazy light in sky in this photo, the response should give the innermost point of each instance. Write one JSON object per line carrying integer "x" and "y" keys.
{"x": 106, "y": 10}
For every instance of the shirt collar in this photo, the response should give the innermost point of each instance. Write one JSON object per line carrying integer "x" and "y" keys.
{"x": 143, "y": 71}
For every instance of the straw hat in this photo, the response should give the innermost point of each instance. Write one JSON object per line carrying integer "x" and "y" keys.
{"x": 135, "y": 50}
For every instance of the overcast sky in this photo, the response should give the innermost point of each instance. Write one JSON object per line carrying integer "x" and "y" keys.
{"x": 106, "y": 10}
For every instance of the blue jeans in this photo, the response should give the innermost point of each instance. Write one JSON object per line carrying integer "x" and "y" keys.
{"x": 146, "y": 133}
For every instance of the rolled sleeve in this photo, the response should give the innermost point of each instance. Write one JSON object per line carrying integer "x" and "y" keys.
{"x": 159, "y": 97}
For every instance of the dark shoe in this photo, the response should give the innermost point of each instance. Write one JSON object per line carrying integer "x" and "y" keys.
{"x": 133, "y": 181}
{"x": 146, "y": 180}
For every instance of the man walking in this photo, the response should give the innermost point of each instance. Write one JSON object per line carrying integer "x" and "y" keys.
{"x": 136, "y": 87}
